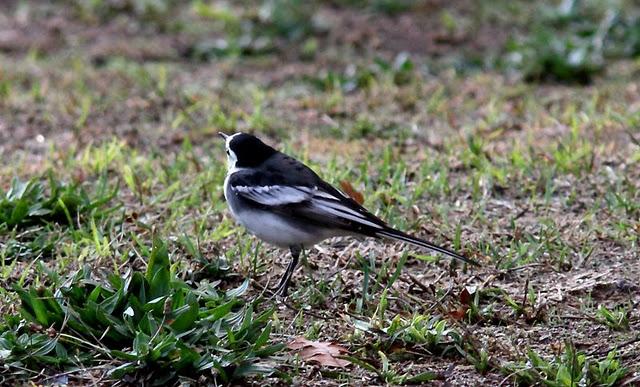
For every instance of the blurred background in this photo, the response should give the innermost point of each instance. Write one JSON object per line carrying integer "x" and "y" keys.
{"x": 186, "y": 48}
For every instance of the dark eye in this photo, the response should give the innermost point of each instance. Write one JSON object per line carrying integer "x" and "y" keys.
{"x": 228, "y": 154}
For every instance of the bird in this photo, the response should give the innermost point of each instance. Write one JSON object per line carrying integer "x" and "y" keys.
{"x": 285, "y": 203}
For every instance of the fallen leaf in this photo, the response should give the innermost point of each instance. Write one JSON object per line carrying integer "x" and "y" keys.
{"x": 322, "y": 352}
{"x": 557, "y": 347}
{"x": 459, "y": 313}
{"x": 351, "y": 192}
{"x": 465, "y": 296}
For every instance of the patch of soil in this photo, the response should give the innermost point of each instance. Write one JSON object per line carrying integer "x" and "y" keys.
{"x": 419, "y": 31}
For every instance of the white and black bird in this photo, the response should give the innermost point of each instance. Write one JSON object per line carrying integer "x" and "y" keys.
{"x": 283, "y": 202}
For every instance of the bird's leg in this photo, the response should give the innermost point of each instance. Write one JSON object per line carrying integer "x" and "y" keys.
{"x": 283, "y": 286}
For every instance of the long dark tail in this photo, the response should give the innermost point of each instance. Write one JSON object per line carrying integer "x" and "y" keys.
{"x": 400, "y": 236}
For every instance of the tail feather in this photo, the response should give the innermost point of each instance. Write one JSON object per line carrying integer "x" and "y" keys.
{"x": 400, "y": 236}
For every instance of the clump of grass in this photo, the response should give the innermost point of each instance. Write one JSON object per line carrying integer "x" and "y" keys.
{"x": 152, "y": 11}
{"x": 420, "y": 332}
{"x": 36, "y": 214}
{"x": 288, "y": 18}
{"x": 398, "y": 72}
{"x": 255, "y": 32}
{"x": 388, "y": 374}
{"x": 547, "y": 56}
{"x": 389, "y": 7}
{"x": 30, "y": 202}
{"x": 393, "y": 7}
{"x": 571, "y": 369}
{"x": 573, "y": 41}
{"x": 141, "y": 323}
{"x": 616, "y": 319}
{"x": 428, "y": 331}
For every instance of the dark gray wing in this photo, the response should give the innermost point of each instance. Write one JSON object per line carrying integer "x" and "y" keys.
{"x": 289, "y": 188}
{"x": 306, "y": 198}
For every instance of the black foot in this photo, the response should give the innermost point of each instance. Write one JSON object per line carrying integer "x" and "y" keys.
{"x": 283, "y": 287}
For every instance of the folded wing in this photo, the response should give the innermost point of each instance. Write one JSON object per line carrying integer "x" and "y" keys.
{"x": 319, "y": 204}
{"x": 322, "y": 205}
{"x": 274, "y": 195}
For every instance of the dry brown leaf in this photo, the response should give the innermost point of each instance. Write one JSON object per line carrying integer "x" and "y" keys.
{"x": 459, "y": 313}
{"x": 465, "y": 296}
{"x": 351, "y": 192}
{"x": 322, "y": 352}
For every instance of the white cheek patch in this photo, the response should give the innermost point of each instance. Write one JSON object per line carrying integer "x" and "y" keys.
{"x": 232, "y": 159}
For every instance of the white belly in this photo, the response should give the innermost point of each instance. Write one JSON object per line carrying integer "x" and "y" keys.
{"x": 273, "y": 229}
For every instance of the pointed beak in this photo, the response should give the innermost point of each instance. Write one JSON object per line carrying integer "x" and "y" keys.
{"x": 224, "y": 136}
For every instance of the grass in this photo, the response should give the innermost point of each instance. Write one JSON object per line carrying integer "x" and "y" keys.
{"x": 146, "y": 324}
{"x": 571, "y": 41}
{"x": 119, "y": 261}
{"x": 571, "y": 368}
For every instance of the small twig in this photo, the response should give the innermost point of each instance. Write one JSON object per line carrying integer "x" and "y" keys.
{"x": 514, "y": 373}
{"x": 524, "y": 295}
{"x": 584, "y": 315}
{"x": 521, "y": 213}
{"x": 573, "y": 317}
{"x": 438, "y": 303}
{"x": 419, "y": 284}
{"x": 310, "y": 313}
{"x": 285, "y": 303}
{"x": 633, "y": 138}
{"x": 617, "y": 347}
{"x": 528, "y": 265}
{"x": 71, "y": 372}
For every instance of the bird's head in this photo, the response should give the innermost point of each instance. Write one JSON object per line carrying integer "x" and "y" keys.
{"x": 245, "y": 150}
